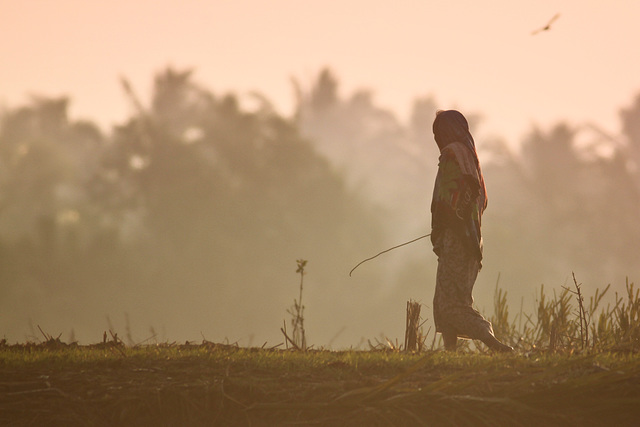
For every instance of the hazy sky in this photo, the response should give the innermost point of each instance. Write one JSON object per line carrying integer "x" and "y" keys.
{"x": 475, "y": 55}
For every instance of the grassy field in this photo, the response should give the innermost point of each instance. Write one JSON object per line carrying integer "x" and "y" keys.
{"x": 577, "y": 362}
{"x": 108, "y": 384}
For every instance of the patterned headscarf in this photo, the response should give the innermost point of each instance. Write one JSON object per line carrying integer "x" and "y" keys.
{"x": 451, "y": 126}
{"x": 451, "y": 132}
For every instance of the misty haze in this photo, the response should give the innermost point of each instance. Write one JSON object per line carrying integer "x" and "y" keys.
{"x": 185, "y": 221}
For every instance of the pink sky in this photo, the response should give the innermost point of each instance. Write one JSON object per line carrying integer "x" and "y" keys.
{"x": 475, "y": 55}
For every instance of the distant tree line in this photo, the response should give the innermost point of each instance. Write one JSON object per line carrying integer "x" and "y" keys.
{"x": 200, "y": 196}
{"x": 563, "y": 199}
{"x": 193, "y": 196}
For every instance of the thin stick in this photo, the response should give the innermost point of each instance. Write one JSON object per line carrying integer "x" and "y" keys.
{"x": 46, "y": 337}
{"x": 387, "y": 250}
{"x": 289, "y": 339}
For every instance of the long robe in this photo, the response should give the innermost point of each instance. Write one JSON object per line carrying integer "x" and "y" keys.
{"x": 459, "y": 199}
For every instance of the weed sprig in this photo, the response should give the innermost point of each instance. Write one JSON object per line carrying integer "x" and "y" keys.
{"x": 299, "y": 340}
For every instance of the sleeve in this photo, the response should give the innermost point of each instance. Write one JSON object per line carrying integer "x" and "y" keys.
{"x": 466, "y": 200}
{"x": 455, "y": 193}
{"x": 455, "y": 205}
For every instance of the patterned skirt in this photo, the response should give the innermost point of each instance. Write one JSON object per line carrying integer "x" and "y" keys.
{"x": 453, "y": 303}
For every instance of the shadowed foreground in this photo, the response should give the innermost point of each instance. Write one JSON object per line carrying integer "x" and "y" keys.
{"x": 214, "y": 384}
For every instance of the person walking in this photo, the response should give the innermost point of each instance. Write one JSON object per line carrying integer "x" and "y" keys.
{"x": 459, "y": 200}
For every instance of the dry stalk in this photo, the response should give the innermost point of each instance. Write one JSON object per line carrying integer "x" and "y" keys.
{"x": 299, "y": 340}
{"x": 117, "y": 343}
{"x": 412, "y": 333}
{"x": 582, "y": 314}
{"x": 287, "y": 338}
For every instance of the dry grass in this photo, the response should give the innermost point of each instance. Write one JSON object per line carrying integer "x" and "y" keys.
{"x": 576, "y": 364}
{"x": 214, "y": 384}
{"x": 563, "y": 322}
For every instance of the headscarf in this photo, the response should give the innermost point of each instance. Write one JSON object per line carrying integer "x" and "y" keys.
{"x": 451, "y": 126}
{"x": 451, "y": 132}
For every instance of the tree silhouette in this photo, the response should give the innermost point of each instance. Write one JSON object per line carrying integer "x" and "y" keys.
{"x": 47, "y": 164}
{"x": 223, "y": 195}
{"x": 630, "y": 118}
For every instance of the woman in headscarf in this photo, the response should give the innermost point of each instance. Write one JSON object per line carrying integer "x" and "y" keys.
{"x": 459, "y": 199}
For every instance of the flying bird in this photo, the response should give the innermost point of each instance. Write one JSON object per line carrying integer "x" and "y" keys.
{"x": 546, "y": 27}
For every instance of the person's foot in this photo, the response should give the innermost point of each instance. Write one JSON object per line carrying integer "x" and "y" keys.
{"x": 450, "y": 341}
{"x": 494, "y": 344}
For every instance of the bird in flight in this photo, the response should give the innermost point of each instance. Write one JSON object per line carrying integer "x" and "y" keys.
{"x": 546, "y": 27}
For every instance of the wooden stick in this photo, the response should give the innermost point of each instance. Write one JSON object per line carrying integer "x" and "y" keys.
{"x": 387, "y": 250}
